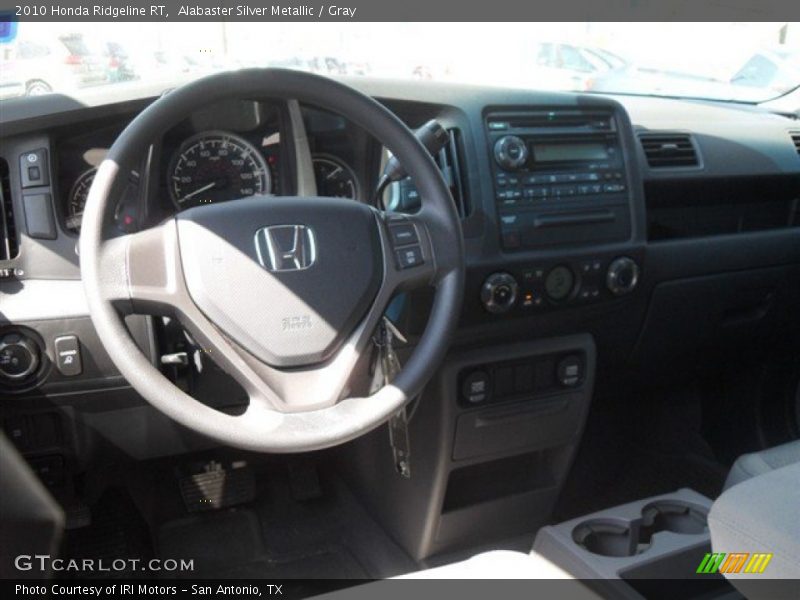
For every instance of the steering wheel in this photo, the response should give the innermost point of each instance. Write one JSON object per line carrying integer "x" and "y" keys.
{"x": 283, "y": 293}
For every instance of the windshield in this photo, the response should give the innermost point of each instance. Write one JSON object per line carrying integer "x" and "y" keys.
{"x": 744, "y": 62}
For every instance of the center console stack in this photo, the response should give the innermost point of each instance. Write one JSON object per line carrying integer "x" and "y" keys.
{"x": 565, "y": 199}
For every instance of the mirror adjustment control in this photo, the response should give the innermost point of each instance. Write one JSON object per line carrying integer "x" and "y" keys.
{"x": 68, "y": 355}
{"x": 499, "y": 292}
{"x": 33, "y": 168}
{"x": 19, "y": 357}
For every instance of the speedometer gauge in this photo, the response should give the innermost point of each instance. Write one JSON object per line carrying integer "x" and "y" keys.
{"x": 335, "y": 178}
{"x": 77, "y": 199}
{"x": 216, "y": 166}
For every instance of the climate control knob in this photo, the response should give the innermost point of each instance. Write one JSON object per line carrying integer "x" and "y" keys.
{"x": 510, "y": 152}
{"x": 622, "y": 276}
{"x": 499, "y": 292}
{"x": 19, "y": 357}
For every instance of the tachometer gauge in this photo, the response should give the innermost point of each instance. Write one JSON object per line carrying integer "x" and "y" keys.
{"x": 77, "y": 199}
{"x": 216, "y": 166}
{"x": 335, "y": 178}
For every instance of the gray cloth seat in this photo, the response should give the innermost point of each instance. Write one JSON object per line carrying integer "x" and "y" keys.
{"x": 504, "y": 564}
{"x": 758, "y": 463}
{"x": 495, "y": 564}
{"x": 761, "y": 515}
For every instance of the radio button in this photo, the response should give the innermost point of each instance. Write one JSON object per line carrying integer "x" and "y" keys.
{"x": 564, "y": 190}
{"x": 537, "y": 192}
{"x": 510, "y": 152}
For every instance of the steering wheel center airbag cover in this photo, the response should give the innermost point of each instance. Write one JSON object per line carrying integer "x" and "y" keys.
{"x": 288, "y": 279}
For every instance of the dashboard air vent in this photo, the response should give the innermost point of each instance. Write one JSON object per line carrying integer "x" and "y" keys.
{"x": 669, "y": 150}
{"x": 8, "y": 232}
{"x": 796, "y": 139}
{"x": 450, "y": 163}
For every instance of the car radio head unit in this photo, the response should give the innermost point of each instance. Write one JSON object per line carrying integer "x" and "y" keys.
{"x": 555, "y": 171}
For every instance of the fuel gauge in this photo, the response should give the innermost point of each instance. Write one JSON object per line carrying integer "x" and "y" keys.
{"x": 335, "y": 178}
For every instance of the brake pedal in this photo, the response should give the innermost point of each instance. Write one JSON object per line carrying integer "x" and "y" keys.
{"x": 214, "y": 486}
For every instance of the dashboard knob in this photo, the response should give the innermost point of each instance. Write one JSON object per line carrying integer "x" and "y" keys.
{"x": 510, "y": 152}
{"x": 499, "y": 292}
{"x": 559, "y": 283}
{"x": 19, "y": 357}
{"x": 622, "y": 276}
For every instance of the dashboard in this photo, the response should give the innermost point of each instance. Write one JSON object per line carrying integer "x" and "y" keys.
{"x": 580, "y": 213}
{"x": 612, "y": 244}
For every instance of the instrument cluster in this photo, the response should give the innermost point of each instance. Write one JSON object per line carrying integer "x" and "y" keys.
{"x": 224, "y": 153}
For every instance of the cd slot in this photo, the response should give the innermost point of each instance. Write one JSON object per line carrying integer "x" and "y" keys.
{"x": 537, "y": 229}
{"x": 563, "y": 220}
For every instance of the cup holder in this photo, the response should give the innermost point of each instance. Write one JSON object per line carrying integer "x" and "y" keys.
{"x": 677, "y": 517}
{"x": 608, "y": 537}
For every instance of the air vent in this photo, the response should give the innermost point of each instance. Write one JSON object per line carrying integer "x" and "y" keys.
{"x": 796, "y": 139}
{"x": 669, "y": 150}
{"x": 9, "y": 247}
{"x": 450, "y": 162}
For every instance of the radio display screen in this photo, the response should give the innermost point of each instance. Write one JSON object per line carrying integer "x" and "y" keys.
{"x": 568, "y": 152}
